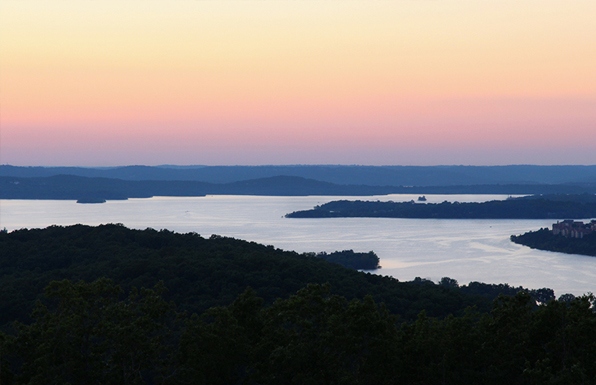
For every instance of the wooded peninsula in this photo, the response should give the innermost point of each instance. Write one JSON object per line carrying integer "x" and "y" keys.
{"x": 544, "y": 239}
{"x": 535, "y": 207}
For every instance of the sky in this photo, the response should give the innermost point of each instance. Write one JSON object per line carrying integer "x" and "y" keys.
{"x": 374, "y": 82}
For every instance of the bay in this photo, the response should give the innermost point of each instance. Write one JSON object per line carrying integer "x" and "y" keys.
{"x": 464, "y": 249}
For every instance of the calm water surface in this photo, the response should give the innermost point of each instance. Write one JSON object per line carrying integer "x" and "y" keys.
{"x": 466, "y": 250}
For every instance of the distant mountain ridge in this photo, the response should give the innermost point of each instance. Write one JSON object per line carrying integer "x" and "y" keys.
{"x": 336, "y": 174}
{"x": 78, "y": 187}
{"x": 72, "y": 187}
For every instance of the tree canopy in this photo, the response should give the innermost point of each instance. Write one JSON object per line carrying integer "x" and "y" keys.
{"x": 85, "y": 333}
{"x": 199, "y": 272}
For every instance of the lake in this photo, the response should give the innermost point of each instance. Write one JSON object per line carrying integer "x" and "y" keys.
{"x": 464, "y": 249}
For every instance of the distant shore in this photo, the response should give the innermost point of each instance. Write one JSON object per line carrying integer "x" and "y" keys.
{"x": 575, "y": 206}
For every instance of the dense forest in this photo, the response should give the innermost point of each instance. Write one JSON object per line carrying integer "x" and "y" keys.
{"x": 199, "y": 272}
{"x": 539, "y": 207}
{"x": 544, "y": 239}
{"x": 96, "y": 333}
{"x": 147, "y": 307}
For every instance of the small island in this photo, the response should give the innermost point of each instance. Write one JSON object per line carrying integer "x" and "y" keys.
{"x": 568, "y": 236}
{"x": 351, "y": 259}
{"x": 534, "y": 207}
{"x": 91, "y": 200}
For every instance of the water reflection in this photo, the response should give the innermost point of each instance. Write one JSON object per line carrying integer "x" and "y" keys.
{"x": 466, "y": 250}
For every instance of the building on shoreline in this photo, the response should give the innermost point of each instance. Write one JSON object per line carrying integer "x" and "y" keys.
{"x": 573, "y": 229}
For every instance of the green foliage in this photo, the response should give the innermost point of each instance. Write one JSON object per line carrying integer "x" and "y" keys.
{"x": 219, "y": 346}
{"x": 543, "y": 295}
{"x": 318, "y": 338}
{"x": 92, "y": 333}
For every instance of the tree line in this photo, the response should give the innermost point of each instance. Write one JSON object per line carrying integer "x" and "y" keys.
{"x": 85, "y": 333}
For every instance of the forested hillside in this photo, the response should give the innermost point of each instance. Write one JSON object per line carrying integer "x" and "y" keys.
{"x": 199, "y": 273}
{"x": 305, "y": 320}
{"x": 96, "y": 333}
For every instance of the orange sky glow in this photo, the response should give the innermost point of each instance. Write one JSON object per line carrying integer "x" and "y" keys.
{"x": 297, "y": 82}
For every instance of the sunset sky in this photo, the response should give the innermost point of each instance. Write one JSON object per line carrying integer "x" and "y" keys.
{"x": 376, "y": 82}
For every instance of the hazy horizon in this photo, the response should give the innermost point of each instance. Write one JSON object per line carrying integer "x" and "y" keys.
{"x": 183, "y": 166}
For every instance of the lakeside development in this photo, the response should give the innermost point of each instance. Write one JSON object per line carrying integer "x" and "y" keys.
{"x": 568, "y": 237}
